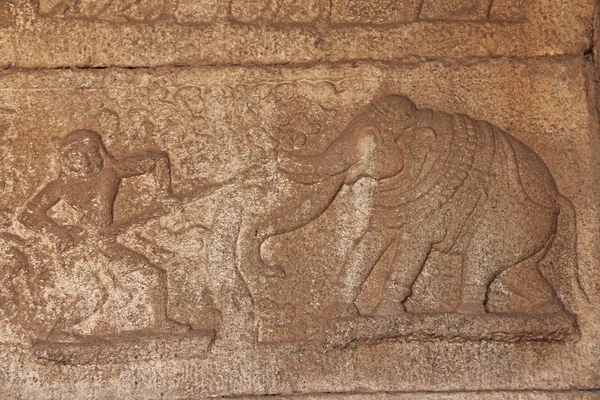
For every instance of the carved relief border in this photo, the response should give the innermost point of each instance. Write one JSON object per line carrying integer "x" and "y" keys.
{"x": 287, "y": 12}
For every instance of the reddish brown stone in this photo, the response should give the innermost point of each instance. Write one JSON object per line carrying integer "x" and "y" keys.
{"x": 455, "y": 9}
{"x": 299, "y": 199}
{"x": 377, "y": 12}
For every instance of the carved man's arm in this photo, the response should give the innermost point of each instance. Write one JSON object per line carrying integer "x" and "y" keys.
{"x": 35, "y": 214}
{"x": 156, "y": 162}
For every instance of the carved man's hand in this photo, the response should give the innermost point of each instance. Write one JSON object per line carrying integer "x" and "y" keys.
{"x": 162, "y": 172}
{"x": 64, "y": 241}
{"x": 76, "y": 233}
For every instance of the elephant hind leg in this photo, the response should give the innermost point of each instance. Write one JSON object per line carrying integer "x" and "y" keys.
{"x": 481, "y": 263}
{"x": 480, "y": 269}
{"x": 476, "y": 278}
{"x": 510, "y": 234}
{"x": 526, "y": 281}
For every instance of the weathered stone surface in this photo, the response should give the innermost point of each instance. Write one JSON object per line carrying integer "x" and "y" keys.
{"x": 452, "y": 328}
{"x": 165, "y": 33}
{"x": 221, "y": 128}
{"x": 456, "y": 9}
{"x": 196, "y": 11}
{"x": 378, "y": 12}
{"x": 278, "y": 11}
{"x": 126, "y": 348}
{"x": 495, "y": 395}
{"x": 300, "y": 199}
{"x": 507, "y": 10}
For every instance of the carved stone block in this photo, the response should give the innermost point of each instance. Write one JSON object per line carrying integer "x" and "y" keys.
{"x": 428, "y": 327}
{"x": 456, "y": 9}
{"x": 196, "y": 11}
{"x": 105, "y": 9}
{"x": 507, "y": 10}
{"x": 278, "y": 11}
{"x": 377, "y": 12}
{"x": 299, "y": 199}
{"x": 154, "y": 33}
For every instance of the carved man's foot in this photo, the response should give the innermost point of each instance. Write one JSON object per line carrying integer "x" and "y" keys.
{"x": 339, "y": 310}
{"x": 272, "y": 271}
{"x": 389, "y": 308}
{"x": 172, "y": 326}
{"x": 65, "y": 337}
{"x": 470, "y": 308}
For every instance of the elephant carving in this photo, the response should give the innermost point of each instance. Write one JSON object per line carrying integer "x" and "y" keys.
{"x": 432, "y": 180}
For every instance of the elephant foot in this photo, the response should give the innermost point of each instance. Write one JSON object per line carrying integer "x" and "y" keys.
{"x": 389, "y": 308}
{"x": 339, "y": 310}
{"x": 470, "y": 308}
{"x": 547, "y": 307}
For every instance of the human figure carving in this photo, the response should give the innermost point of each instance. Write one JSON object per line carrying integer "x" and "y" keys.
{"x": 88, "y": 182}
{"x": 432, "y": 181}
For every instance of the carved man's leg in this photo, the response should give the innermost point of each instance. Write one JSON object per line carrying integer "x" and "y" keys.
{"x": 83, "y": 307}
{"x": 153, "y": 278}
{"x": 360, "y": 262}
{"x": 408, "y": 262}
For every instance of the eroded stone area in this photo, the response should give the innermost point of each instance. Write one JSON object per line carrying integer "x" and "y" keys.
{"x": 348, "y": 198}
{"x": 171, "y": 269}
{"x": 65, "y": 33}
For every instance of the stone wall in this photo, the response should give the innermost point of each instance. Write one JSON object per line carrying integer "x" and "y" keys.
{"x": 383, "y": 199}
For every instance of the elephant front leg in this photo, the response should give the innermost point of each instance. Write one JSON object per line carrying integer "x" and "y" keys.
{"x": 415, "y": 242}
{"x": 413, "y": 250}
{"x": 358, "y": 266}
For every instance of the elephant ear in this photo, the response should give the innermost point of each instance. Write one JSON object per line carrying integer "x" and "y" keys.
{"x": 421, "y": 141}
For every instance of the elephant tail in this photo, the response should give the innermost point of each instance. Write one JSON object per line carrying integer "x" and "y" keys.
{"x": 559, "y": 266}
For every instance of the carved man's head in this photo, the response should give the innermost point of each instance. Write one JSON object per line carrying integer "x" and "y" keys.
{"x": 81, "y": 154}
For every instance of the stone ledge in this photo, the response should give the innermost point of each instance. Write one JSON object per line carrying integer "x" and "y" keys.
{"x": 482, "y": 395}
{"x": 509, "y": 328}
{"x": 132, "y": 347}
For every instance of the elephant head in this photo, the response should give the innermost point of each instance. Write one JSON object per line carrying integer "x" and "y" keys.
{"x": 384, "y": 136}
{"x": 382, "y": 141}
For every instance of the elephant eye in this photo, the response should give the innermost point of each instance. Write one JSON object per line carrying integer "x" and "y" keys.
{"x": 371, "y": 130}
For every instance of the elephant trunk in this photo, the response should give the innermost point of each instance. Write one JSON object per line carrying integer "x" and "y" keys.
{"x": 338, "y": 158}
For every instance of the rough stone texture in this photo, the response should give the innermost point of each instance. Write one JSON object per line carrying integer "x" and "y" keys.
{"x": 305, "y": 199}
{"x": 507, "y": 10}
{"x": 457, "y": 9}
{"x": 381, "y": 11}
{"x": 496, "y": 395}
{"x": 155, "y": 33}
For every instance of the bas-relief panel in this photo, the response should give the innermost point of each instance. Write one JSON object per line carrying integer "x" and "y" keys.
{"x": 160, "y": 217}
{"x": 129, "y": 229}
